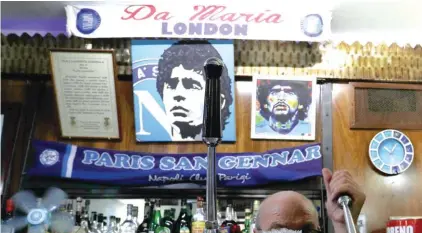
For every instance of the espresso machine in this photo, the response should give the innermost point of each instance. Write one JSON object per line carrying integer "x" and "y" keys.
{"x": 211, "y": 136}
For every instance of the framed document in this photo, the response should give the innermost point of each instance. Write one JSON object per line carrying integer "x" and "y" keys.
{"x": 85, "y": 90}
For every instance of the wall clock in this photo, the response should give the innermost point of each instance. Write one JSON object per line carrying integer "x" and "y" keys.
{"x": 391, "y": 151}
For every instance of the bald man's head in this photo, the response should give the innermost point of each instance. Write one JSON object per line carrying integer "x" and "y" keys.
{"x": 287, "y": 209}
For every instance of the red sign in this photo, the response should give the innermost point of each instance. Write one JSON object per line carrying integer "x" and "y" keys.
{"x": 404, "y": 225}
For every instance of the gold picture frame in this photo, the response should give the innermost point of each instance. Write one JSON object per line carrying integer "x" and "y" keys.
{"x": 85, "y": 89}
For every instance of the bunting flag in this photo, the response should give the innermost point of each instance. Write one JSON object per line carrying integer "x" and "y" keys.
{"x": 105, "y": 166}
{"x": 268, "y": 20}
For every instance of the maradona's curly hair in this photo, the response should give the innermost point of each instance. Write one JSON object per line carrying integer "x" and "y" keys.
{"x": 299, "y": 87}
{"x": 192, "y": 54}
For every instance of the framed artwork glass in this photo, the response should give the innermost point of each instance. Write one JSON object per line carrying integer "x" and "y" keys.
{"x": 283, "y": 108}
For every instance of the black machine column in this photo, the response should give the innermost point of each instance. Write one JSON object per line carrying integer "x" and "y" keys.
{"x": 211, "y": 135}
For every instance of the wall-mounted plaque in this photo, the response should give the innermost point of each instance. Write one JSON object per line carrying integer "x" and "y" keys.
{"x": 84, "y": 83}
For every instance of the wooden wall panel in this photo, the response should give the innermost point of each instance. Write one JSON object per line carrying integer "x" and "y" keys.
{"x": 387, "y": 196}
{"x": 13, "y": 91}
{"x": 346, "y": 61}
{"x": 47, "y": 127}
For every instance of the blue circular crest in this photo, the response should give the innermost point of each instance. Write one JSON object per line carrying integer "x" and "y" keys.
{"x": 87, "y": 20}
{"x": 49, "y": 157}
{"x": 312, "y": 25}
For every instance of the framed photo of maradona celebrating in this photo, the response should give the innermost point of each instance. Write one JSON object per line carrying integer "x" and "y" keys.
{"x": 283, "y": 108}
{"x": 169, "y": 88}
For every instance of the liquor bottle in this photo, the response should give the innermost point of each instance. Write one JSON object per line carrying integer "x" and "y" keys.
{"x": 256, "y": 204}
{"x": 118, "y": 224}
{"x": 128, "y": 226}
{"x": 9, "y": 210}
{"x": 151, "y": 207}
{"x": 87, "y": 206}
{"x": 156, "y": 218}
{"x": 6, "y": 217}
{"x": 63, "y": 207}
{"x": 198, "y": 219}
{"x": 143, "y": 227}
{"x": 173, "y": 214}
{"x": 84, "y": 223}
{"x": 229, "y": 222}
{"x": 247, "y": 221}
{"x": 183, "y": 223}
{"x": 78, "y": 211}
{"x": 85, "y": 214}
{"x": 100, "y": 219}
{"x": 219, "y": 216}
{"x": 112, "y": 226}
{"x": 70, "y": 210}
{"x": 169, "y": 218}
{"x": 189, "y": 208}
{"x": 135, "y": 215}
{"x": 166, "y": 223}
{"x": 94, "y": 223}
{"x": 104, "y": 229}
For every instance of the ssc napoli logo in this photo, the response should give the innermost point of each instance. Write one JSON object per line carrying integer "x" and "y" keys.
{"x": 87, "y": 21}
{"x": 312, "y": 25}
{"x": 49, "y": 157}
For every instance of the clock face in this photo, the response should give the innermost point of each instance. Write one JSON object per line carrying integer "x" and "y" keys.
{"x": 391, "y": 152}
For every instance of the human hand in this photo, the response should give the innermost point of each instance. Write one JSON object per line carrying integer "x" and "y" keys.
{"x": 337, "y": 184}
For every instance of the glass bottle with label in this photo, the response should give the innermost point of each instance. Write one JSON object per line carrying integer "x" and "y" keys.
{"x": 256, "y": 204}
{"x": 9, "y": 210}
{"x": 247, "y": 221}
{"x": 118, "y": 224}
{"x": 128, "y": 226}
{"x": 70, "y": 210}
{"x": 86, "y": 212}
{"x": 229, "y": 222}
{"x": 143, "y": 227}
{"x": 7, "y": 217}
{"x": 219, "y": 215}
{"x": 183, "y": 223}
{"x": 78, "y": 214}
{"x": 135, "y": 215}
{"x": 166, "y": 225}
{"x": 112, "y": 225}
{"x": 100, "y": 220}
{"x": 198, "y": 219}
{"x": 156, "y": 217}
{"x": 94, "y": 223}
{"x": 189, "y": 208}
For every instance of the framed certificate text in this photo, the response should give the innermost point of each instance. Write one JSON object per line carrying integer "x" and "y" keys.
{"x": 84, "y": 84}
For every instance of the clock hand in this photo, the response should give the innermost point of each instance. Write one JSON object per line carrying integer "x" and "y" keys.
{"x": 385, "y": 148}
{"x": 394, "y": 147}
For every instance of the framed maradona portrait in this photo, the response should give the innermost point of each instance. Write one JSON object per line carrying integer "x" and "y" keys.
{"x": 283, "y": 108}
{"x": 169, "y": 88}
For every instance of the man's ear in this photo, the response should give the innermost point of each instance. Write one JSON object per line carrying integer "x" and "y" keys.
{"x": 223, "y": 101}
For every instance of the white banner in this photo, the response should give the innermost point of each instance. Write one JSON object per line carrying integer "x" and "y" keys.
{"x": 263, "y": 20}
